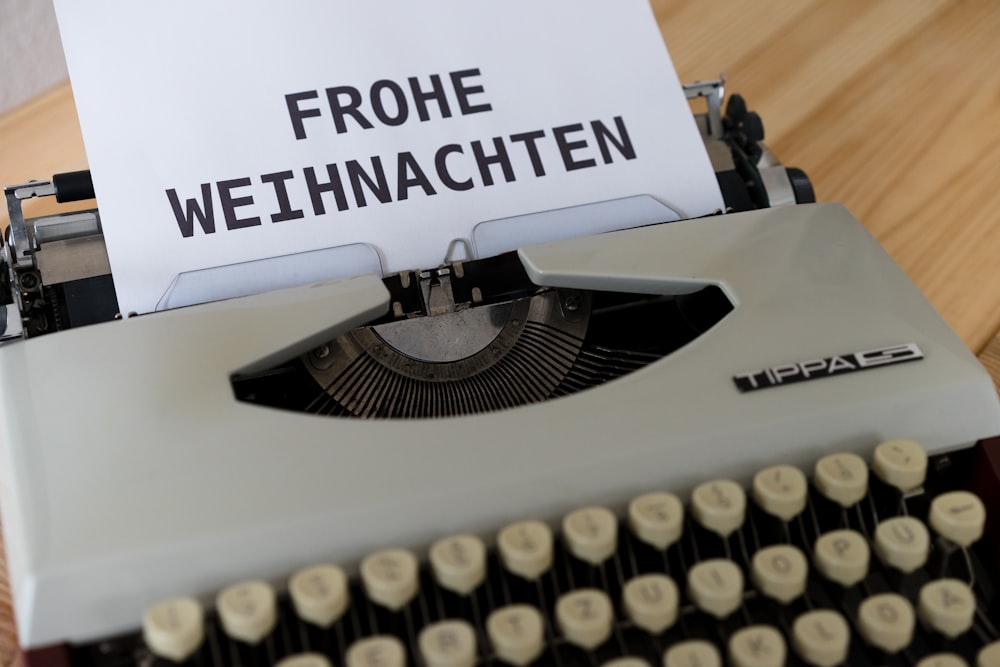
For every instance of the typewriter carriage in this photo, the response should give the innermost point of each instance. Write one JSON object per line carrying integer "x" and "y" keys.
{"x": 58, "y": 277}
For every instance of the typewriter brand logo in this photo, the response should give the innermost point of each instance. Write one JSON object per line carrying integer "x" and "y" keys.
{"x": 814, "y": 369}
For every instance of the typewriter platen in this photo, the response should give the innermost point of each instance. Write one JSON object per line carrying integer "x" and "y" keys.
{"x": 169, "y": 454}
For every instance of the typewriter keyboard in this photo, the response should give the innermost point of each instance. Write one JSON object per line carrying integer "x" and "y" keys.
{"x": 854, "y": 564}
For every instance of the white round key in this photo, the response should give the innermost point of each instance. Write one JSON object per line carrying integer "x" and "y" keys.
{"x": 887, "y": 621}
{"x": 591, "y": 534}
{"x": 948, "y": 606}
{"x": 716, "y": 586}
{"x": 585, "y": 617}
{"x": 305, "y": 660}
{"x": 781, "y": 491}
{"x": 377, "y": 651}
{"x": 651, "y": 601}
{"x": 626, "y": 662}
{"x": 780, "y": 572}
{"x": 693, "y": 652}
{"x": 821, "y": 638}
{"x": 943, "y": 660}
{"x": 248, "y": 610}
{"x": 842, "y": 556}
{"x": 526, "y": 548}
{"x": 517, "y": 633}
{"x": 757, "y": 646}
{"x": 842, "y": 477}
{"x": 958, "y": 516}
{"x": 657, "y": 518}
{"x": 448, "y": 644}
{"x": 901, "y": 463}
{"x": 720, "y": 506}
{"x": 174, "y": 628}
{"x": 459, "y": 563}
{"x": 903, "y": 543}
{"x": 989, "y": 655}
{"x": 390, "y": 577}
{"x": 319, "y": 594}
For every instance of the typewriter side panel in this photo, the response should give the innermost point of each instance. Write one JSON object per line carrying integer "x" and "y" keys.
{"x": 353, "y": 486}
{"x": 18, "y": 506}
{"x": 73, "y": 428}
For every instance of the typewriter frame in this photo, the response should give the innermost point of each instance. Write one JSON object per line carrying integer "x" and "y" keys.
{"x": 946, "y": 399}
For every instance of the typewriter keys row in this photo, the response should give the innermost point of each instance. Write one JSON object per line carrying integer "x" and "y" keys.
{"x": 852, "y": 565}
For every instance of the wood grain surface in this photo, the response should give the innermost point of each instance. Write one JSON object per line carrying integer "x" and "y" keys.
{"x": 889, "y": 105}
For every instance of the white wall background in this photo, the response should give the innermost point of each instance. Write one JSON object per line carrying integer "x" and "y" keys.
{"x": 31, "y": 56}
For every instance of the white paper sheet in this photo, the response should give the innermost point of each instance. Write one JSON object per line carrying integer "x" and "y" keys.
{"x": 217, "y": 132}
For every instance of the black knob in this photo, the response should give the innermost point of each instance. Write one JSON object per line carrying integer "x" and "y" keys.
{"x": 736, "y": 109}
{"x": 801, "y": 186}
{"x": 753, "y": 127}
{"x": 73, "y": 186}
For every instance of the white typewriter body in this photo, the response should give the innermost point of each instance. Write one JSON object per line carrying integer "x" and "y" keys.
{"x": 129, "y": 472}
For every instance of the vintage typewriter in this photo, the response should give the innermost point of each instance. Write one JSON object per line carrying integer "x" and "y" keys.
{"x": 581, "y": 452}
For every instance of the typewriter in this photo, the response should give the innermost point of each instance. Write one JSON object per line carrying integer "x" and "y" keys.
{"x": 579, "y": 452}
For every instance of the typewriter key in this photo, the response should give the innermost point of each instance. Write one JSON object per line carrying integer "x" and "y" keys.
{"x": 886, "y": 621}
{"x": 591, "y": 534}
{"x": 693, "y": 652}
{"x": 657, "y": 518}
{"x": 378, "y": 651}
{"x": 842, "y": 556}
{"x": 517, "y": 633}
{"x": 248, "y": 610}
{"x": 942, "y": 660}
{"x": 842, "y": 477}
{"x": 651, "y": 601}
{"x": 720, "y": 506}
{"x": 174, "y": 628}
{"x": 448, "y": 644}
{"x": 958, "y": 516}
{"x": 319, "y": 594}
{"x": 948, "y": 606}
{"x": 821, "y": 638}
{"x": 780, "y": 572}
{"x": 305, "y": 660}
{"x": 901, "y": 463}
{"x": 716, "y": 586}
{"x": 459, "y": 563}
{"x": 526, "y": 548}
{"x": 585, "y": 617}
{"x": 989, "y": 655}
{"x": 757, "y": 646}
{"x": 903, "y": 543}
{"x": 781, "y": 491}
{"x": 390, "y": 577}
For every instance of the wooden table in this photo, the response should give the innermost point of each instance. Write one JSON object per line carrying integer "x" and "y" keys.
{"x": 890, "y": 106}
